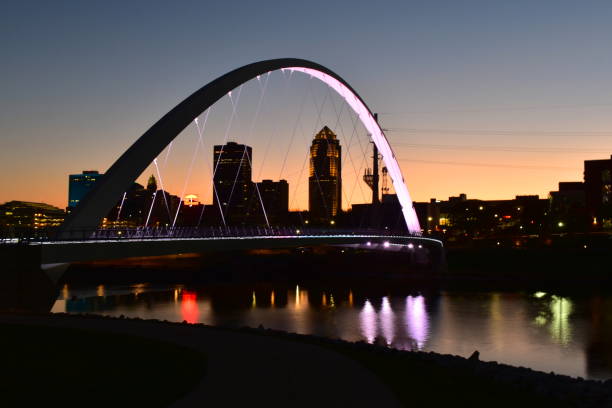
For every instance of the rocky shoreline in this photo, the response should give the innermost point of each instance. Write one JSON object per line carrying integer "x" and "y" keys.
{"x": 557, "y": 388}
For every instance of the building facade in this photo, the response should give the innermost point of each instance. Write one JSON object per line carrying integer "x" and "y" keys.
{"x": 275, "y": 198}
{"x": 568, "y": 206}
{"x": 598, "y": 191}
{"x": 79, "y": 185}
{"x": 25, "y": 215}
{"x": 461, "y": 218}
{"x": 325, "y": 179}
{"x": 232, "y": 185}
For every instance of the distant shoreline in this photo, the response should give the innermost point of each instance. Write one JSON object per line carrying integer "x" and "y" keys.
{"x": 472, "y": 269}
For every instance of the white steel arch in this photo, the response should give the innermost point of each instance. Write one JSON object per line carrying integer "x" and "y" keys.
{"x": 88, "y": 214}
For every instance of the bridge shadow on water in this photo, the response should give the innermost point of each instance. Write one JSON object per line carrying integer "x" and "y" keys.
{"x": 311, "y": 264}
{"x": 27, "y": 288}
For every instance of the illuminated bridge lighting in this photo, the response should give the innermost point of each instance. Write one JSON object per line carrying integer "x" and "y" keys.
{"x": 378, "y": 137}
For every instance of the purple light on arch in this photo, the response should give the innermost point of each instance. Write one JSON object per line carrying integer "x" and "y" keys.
{"x": 379, "y": 139}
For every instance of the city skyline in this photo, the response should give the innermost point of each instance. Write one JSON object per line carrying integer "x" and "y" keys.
{"x": 397, "y": 191}
{"x": 528, "y": 106}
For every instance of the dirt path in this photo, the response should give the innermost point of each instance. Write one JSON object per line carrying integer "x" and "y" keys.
{"x": 250, "y": 370}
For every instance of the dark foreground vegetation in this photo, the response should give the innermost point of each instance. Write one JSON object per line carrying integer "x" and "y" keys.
{"x": 79, "y": 368}
{"x": 436, "y": 380}
{"x": 49, "y": 366}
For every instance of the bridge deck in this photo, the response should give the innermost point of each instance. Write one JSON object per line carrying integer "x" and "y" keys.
{"x": 89, "y": 250}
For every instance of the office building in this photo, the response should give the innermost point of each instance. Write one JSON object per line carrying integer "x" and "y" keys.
{"x": 275, "y": 198}
{"x": 18, "y": 215}
{"x": 325, "y": 179}
{"x": 598, "y": 191}
{"x": 568, "y": 206}
{"x": 79, "y": 185}
{"x": 232, "y": 181}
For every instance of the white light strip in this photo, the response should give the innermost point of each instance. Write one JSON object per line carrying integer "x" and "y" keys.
{"x": 255, "y": 237}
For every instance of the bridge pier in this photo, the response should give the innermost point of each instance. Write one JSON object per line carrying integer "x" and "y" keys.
{"x": 24, "y": 285}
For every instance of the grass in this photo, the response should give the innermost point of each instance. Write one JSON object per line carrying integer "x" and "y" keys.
{"x": 48, "y": 366}
{"x": 421, "y": 382}
{"x": 424, "y": 383}
{"x": 45, "y": 366}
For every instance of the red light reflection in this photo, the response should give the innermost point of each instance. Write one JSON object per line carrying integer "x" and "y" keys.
{"x": 189, "y": 307}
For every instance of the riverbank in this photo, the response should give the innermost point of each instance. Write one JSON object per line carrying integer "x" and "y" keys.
{"x": 553, "y": 268}
{"x": 271, "y": 368}
{"x": 75, "y": 367}
{"x": 528, "y": 269}
{"x": 243, "y": 369}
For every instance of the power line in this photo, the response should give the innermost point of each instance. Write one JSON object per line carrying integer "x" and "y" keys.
{"x": 503, "y": 132}
{"x": 501, "y": 109}
{"x": 518, "y": 149}
{"x": 492, "y": 165}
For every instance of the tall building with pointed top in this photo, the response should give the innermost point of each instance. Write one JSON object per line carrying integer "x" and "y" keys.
{"x": 325, "y": 180}
{"x": 152, "y": 184}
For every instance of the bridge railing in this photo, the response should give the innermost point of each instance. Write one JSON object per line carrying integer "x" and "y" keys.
{"x": 208, "y": 232}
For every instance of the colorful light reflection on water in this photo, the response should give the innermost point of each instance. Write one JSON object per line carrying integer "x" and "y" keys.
{"x": 189, "y": 307}
{"x": 543, "y": 331}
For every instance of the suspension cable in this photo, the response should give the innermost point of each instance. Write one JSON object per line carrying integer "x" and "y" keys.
{"x": 161, "y": 183}
{"x": 320, "y": 110}
{"x": 121, "y": 206}
{"x": 208, "y": 166}
{"x": 193, "y": 158}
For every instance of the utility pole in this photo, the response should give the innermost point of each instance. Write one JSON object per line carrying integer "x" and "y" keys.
{"x": 375, "y": 197}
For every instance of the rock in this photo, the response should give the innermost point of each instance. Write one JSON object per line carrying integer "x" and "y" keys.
{"x": 475, "y": 356}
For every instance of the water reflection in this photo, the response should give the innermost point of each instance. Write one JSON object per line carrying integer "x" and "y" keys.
{"x": 189, "y": 307}
{"x": 417, "y": 321}
{"x": 301, "y": 298}
{"x": 386, "y": 321}
{"x": 367, "y": 319}
{"x": 542, "y": 330}
{"x": 556, "y": 317}
{"x": 560, "y": 328}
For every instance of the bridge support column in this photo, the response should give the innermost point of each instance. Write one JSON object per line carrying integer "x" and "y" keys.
{"x": 438, "y": 259}
{"x": 24, "y": 285}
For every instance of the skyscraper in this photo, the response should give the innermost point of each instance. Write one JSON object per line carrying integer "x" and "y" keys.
{"x": 275, "y": 198}
{"x": 79, "y": 185}
{"x": 325, "y": 180}
{"x": 232, "y": 180}
{"x": 598, "y": 191}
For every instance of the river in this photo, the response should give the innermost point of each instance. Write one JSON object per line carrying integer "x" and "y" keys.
{"x": 545, "y": 331}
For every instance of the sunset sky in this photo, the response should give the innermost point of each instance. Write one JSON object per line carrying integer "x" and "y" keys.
{"x": 487, "y": 98}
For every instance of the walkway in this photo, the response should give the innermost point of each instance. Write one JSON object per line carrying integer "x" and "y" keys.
{"x": 250, "y": 370}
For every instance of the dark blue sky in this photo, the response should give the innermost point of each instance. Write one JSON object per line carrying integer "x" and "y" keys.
{"x": 460, "y": 81}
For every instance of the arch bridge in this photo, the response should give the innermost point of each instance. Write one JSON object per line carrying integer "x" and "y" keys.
{"x": 79, "y": 238}
{"x": 120, "y": 176}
